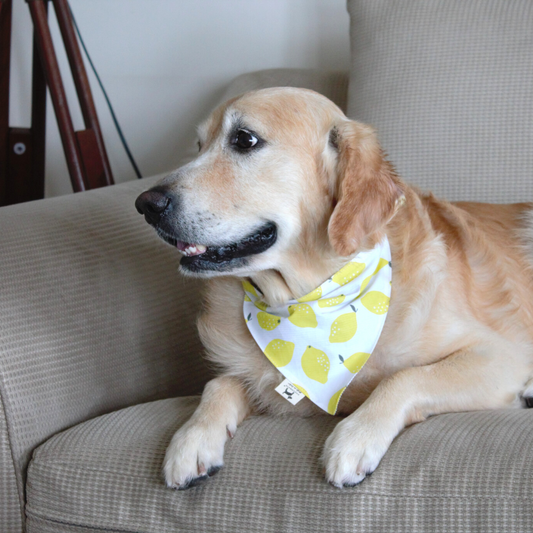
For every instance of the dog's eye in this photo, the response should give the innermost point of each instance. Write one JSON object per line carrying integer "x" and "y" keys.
{"x": 244, "y": 140}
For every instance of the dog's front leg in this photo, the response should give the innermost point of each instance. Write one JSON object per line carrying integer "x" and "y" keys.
{"x": 486, "y": 377}
{"x": 197, "y": 449}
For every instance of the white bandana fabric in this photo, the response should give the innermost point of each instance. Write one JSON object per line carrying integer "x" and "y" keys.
{"x": 322, "y": 340}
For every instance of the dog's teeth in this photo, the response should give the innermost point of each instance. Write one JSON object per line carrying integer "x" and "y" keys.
{"x": 194, "y": 249}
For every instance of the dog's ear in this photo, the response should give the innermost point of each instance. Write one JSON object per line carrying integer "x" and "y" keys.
{"x": 367, "y": 188}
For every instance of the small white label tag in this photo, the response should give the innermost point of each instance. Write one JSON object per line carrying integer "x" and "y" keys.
{"x": 289, "y": 391}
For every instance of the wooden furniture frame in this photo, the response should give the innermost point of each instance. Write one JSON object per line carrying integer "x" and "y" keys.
{"x": 22, "y": 150}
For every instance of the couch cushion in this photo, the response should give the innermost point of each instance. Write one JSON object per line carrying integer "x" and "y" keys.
{"x": 448, "y": 86}
{"x": 454, "y": 472}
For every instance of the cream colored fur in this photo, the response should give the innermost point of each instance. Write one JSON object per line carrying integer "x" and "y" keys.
{"x": 459, "y": 332}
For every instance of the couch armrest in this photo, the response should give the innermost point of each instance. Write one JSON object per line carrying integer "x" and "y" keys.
{"x": 333, "y": 84}
{"x": 93, "y": 316}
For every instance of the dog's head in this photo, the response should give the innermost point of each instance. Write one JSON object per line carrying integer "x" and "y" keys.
{"x": 280, "y": 173}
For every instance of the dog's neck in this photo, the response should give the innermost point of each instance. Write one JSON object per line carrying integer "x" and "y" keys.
{"x": 303, "y": 273}
{"x": 280, "y": 286}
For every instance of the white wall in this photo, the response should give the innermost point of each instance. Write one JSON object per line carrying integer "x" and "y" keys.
{"x": 165, "y": 64}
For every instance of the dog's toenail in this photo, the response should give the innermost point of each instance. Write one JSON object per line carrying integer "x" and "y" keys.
{"x": 193, "y": 482}
{"x": 213, "y": 470}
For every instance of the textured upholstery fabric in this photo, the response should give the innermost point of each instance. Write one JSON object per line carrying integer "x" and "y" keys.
{"x": 453, "y": 473}
{"x": 333, "y": 84}
{"x": 10, "y": 501}
{"x": 93, "y": 317}
{"x": 448, "y": 85}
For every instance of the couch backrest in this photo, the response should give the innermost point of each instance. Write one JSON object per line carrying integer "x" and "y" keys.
{"x": 449, "y": 87}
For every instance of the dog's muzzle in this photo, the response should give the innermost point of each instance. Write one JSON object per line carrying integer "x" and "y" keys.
{"x": 160, "y": 207}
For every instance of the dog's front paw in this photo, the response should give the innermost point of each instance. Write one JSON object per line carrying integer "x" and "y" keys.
{"x": 354, "y": 450}
{"x": 195, "y": 453}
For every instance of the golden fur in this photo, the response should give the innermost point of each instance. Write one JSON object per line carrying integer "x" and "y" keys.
{"x": 459, "y": 332}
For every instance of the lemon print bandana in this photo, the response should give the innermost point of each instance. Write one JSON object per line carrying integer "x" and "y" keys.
{"x": 322, "y": 340}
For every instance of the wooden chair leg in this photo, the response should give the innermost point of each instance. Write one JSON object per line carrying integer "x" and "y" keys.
{"x": 57, "y": 93}
{"x": 83, "y": 89}
{"x": 38, "y": 124}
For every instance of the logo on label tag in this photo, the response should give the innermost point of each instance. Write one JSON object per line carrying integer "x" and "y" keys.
{"x": 289, "y": 391}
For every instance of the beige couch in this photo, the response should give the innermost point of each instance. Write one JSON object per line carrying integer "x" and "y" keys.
{"x": 100, "y": 362}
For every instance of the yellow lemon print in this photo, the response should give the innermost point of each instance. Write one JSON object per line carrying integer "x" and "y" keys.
{"x": 334, "y": 401}
{"x": 302, "y": 315}
{"x": 344, "y": 327}
{"x": 330, "y": 302}
{"x": 261, "y": 305}
{"x": 376, "y": 302}
{"x": 381, "y": 264}
{"x": 348, "y": 273}
{"x": 268, "y": 321}
{"x": 314, "y": 295}
{"x": 315, "y": 364}
{"x": 247, "y": 298}
{"x": 355, "y": 362}
{"x": 301, "y": 389}
{"x": 248, "y": 287}
{"x": 279, "y": 352}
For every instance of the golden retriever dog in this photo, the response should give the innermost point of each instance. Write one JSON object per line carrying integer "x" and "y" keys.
{"x": 285, "y": 190}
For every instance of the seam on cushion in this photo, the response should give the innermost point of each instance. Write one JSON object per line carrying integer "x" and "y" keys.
{"x": 275, "y": 489}
{"x": 67, "y": 466}
{"x": 79, "y": 526}
{"x": 37, "y": 517}
{"x": 16, "y": 471}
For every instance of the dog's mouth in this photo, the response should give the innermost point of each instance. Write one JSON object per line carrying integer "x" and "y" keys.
{"x": 199, "y": 257}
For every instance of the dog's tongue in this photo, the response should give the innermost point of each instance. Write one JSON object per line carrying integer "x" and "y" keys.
{"x": 189, "y": 249}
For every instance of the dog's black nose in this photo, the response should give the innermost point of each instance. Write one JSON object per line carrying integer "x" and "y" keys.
{"x": 152, "y": 204}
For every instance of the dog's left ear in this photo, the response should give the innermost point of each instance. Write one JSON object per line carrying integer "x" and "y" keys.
{"x": 367, "y": 189}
